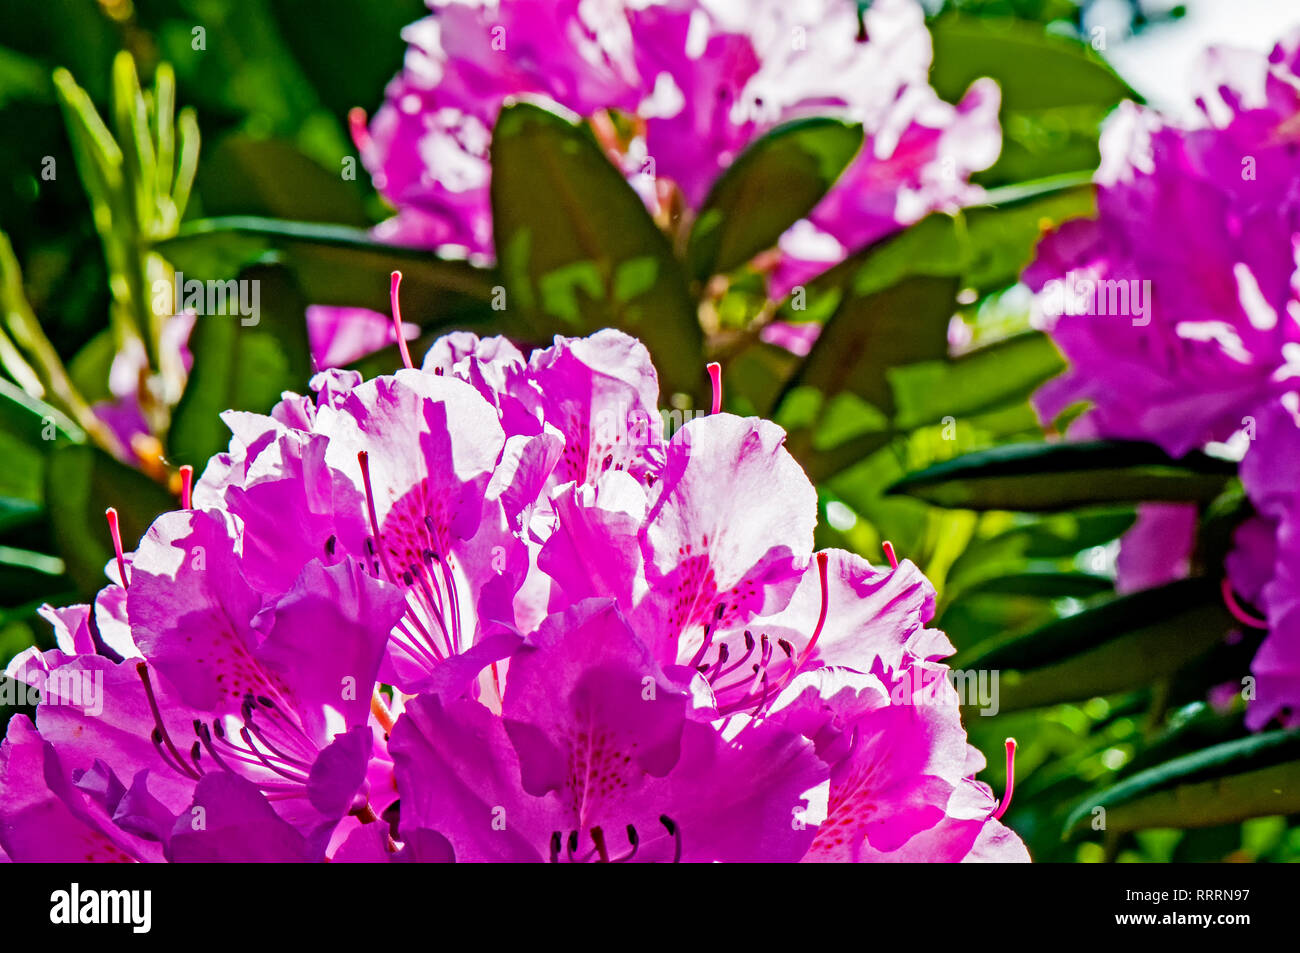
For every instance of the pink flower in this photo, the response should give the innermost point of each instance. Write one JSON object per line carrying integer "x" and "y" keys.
{"x": 486, "y": 610}
{"x": 1199, "y": 232}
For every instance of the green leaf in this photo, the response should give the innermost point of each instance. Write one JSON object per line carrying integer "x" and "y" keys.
{"x": 1045, "y": 584}
{"x": 241, "y": 367}
{"x": 775, "y": 182}
{"x": 844, "y": 381}
{"x": 1003, "y": 230}
{"x": 340, "y": 265}
{"x": 1060, "y": 476}
{"x": 271, "y": 177}
{"x": 1248, "y": 777}
{"x": 33, "y": 421}
{"x": 579, "y": 252}
{"x": 1123, "y": 644}
{"x": 322, "y": 34}
{"x": 976, "y": 382}
{"x": 27, "y": 577}
{"x": 987, "y": 245}
{"x": 81, "y": 483}
{"x": 1054, "y": 91}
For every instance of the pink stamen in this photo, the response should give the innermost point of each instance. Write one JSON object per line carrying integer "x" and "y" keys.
{"x": 116, "y": 532}
{"x": 357, "y": 126}
{"x": 397, "y": 322}
{"x": 1238, "y": 613}
{"x": 187, "y": 487}
{"x": 715, "y": 376}
{"x": 823, "y": 560}
{"x": 888, "y": 547}
{"x": 363, "y": 458}
{"x": 1011, "y": 780}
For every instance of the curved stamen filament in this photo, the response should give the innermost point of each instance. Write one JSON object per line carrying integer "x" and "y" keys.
{"x": 1238, "y": 613}
{"x": 397, "y": 321}
{"x": 115, "y": 531}
{"x": 363, "y": 458}
{"x": 1011, "y": 780}
{"x": 715, "y": 377}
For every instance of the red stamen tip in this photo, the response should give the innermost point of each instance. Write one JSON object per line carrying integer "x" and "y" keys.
{"x": 1234, "y": 607}
{"x": 1011, "y": 780}
{"x": 357, "y": 126}
{"x": 888, "y": 547}
{"x": 187, "y": 487}
{"x": 115, "y": 531}
{"x": 715, "y": 376}
{"x": 397, "y": 321}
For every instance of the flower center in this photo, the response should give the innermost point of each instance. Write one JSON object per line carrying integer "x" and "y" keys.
{"x": 270, "y": 750}
{"x": 742, "y": 685}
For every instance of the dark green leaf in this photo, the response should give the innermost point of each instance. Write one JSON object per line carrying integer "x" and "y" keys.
{"x": 579, "y": 252}
{"x": 340, "y": 265}
{"x": 247, "y": 176}
{"x": 241, "y": 367}
{"x": 1058, "y": 476}
{"x": 81, "y": 483}
{"x": 1122, "y": 644}
{"x": 775, "y": 182}
{"x": 1248, "y": 777}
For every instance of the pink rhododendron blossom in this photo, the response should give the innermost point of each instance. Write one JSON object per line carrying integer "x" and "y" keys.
{"x": 1178, "y": 308}
{"x": 488, "y": 610}
{"x": 699, "y": 80}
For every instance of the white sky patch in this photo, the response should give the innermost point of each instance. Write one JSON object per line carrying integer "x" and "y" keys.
{"x": 1160, "y": 61}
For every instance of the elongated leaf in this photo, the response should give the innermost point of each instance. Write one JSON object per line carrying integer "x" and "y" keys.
{"x": 27, "y": 576}
{"x": 33, "y": 421}
{"x": 1084, "y": 630}
{"x": 81, "y": 482}
{"x": 1046, "y": 584}
{"x": 247, "y": 176}
{"x": 869, "y": 334}
{"x": 1054, "y": 91}
{"x": 974, "y": 383}
{"x": 241, "y": 366}
{"x": 579, "y": 252}
{"x": 986, "y": 246}
{"x": 774, "y": 183}
{"x": 1059, "y": 476}
{"x": 1121, "y": 645}
{"x": 341, "y": 265}
{"x": 1247, "y": 777}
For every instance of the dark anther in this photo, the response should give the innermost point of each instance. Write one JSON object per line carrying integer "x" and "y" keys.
{"x": 671, "y": 826}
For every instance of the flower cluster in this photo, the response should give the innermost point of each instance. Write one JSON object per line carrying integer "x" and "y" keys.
{"x": 674, "y": 91}
{"x": 462, "y": 613}
{"x": 1206, "y": 217}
